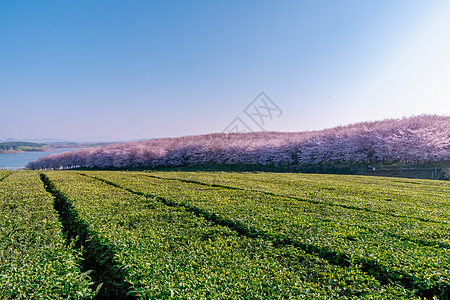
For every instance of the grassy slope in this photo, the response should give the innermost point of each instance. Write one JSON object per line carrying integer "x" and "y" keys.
{"x": 396, "y": 230}
{"x": 35, "y": 262}
{"x": 198, "y": 234}
{"x": 169, "y": 250}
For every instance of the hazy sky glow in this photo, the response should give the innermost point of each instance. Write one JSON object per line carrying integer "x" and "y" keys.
{"x": 120, "y": 70}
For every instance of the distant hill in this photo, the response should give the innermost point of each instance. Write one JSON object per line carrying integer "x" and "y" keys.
{"x": 20, "y": 146}
{"x": 37, "y": 140}
{"x": 408, "y": 141}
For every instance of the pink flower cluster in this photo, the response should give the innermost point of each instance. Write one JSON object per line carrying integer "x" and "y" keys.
{"x": 410, "y": 140}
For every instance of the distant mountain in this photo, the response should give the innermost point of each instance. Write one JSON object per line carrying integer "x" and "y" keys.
{"x": 9, "y": 140}
{"x": 407, "y": 141}
{"x": 38, "y": 140}
{"x": 53, "y": 141}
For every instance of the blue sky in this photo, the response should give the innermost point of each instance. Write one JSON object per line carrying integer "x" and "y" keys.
{"x": 121, "y": 70}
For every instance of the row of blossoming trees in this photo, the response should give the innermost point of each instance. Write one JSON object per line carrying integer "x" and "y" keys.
{"x": 409, "y": 140}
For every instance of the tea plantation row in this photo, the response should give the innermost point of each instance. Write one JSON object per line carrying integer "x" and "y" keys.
{"x": 392, "y": 246}
{"x": 35, "y": 262}
{"x": 164, "y": 235}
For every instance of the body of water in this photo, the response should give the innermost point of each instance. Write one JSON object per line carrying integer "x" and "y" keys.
{"x": 15, "y": 161}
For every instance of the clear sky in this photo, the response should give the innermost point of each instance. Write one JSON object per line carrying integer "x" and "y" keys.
{"x": 122, "y": 70}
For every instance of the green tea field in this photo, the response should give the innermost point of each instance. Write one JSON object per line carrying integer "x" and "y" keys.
{"x": 222, "y": 235}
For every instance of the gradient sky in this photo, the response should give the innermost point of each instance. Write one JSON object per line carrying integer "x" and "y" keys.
{"x": 121, "y": 70}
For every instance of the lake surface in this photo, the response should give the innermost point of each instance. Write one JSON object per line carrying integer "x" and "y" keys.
{"x": 14, "y": 161}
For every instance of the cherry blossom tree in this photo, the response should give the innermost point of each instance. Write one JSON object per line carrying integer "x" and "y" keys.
{"x": 409, "y": 140}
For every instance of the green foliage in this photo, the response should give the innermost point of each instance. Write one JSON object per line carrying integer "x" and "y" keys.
{"x": 34, "y": 260}
{"x": 395, "y": 230}
{"x": 3, "y": 174}
{"x": 170, "y": 252}
{"x": 163, "y": 235}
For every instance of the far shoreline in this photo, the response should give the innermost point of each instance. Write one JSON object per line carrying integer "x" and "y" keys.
{"x": 43, "y": 150}
{"x": 21, "y": 151}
